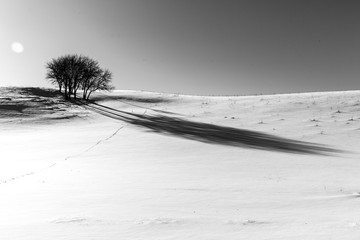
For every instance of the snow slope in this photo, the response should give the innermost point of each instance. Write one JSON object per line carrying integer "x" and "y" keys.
{"x": 144, "y": 165}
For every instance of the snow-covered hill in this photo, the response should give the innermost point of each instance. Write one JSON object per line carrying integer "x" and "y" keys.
{"x": 144, "y": 165}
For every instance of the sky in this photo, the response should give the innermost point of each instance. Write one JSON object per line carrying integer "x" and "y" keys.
{"x": 202, "y": 47}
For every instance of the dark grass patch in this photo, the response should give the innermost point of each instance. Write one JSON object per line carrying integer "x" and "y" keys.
{"x": 39, "y": 92}
{"x": 13, "y": 107}
{"x": 35, "y": 104}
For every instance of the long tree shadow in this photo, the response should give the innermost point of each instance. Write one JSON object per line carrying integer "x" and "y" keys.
{"x": 211, "y": 133}
{"x": 135, "y": 99}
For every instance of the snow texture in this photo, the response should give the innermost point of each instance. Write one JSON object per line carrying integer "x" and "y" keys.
{"x": 145, "y": 165}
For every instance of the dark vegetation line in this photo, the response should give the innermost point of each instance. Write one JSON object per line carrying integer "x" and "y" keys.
{"x": 210, "y": 133}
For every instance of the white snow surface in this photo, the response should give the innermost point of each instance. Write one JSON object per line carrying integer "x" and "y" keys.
{"x": 79, "y": 172}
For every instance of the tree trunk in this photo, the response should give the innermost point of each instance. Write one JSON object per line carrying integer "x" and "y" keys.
{"x": 70, "y": 91}
{"x": 66, "y": 92}
{"x": 88, "y": 96}
{"x": 84, "y": 94}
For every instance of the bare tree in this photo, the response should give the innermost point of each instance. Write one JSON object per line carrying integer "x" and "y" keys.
{"x": 100, "y": 81}
{"x": 77, "y": 67}
{"x": 74, "y": 72}
{"x": 55, "y": 73}
{"x": 92, "y": 71}
{"x": 59, "y": 72}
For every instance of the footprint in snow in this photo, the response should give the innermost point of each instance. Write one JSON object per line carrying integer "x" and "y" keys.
{"x": 354, "y": 224}
{"x": 245, "y": 222}
{"x": 160, "y": 221}
{"x": 346, "y": 196}
{"x": 77, "y": 221}
{"x": 70, "y": 220}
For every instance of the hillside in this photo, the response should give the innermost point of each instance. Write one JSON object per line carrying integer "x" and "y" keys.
{"x": 145, "y": 165}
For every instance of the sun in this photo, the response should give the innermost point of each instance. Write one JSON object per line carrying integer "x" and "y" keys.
{"x": 17, "y": 47}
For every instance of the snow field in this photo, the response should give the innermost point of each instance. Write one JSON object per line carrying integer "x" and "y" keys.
{"x": 102, "y": 178}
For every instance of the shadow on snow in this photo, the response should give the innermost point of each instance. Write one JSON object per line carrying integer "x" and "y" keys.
{"x": 210, "y": 133}
{"x": 131, "y": 99}
{"x": 39, "y": 92}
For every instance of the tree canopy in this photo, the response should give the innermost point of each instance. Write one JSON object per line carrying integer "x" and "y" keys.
{"x": 73, "y": 72}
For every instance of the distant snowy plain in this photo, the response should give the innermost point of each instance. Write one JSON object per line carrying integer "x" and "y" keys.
{"x": 144, "y": 165}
